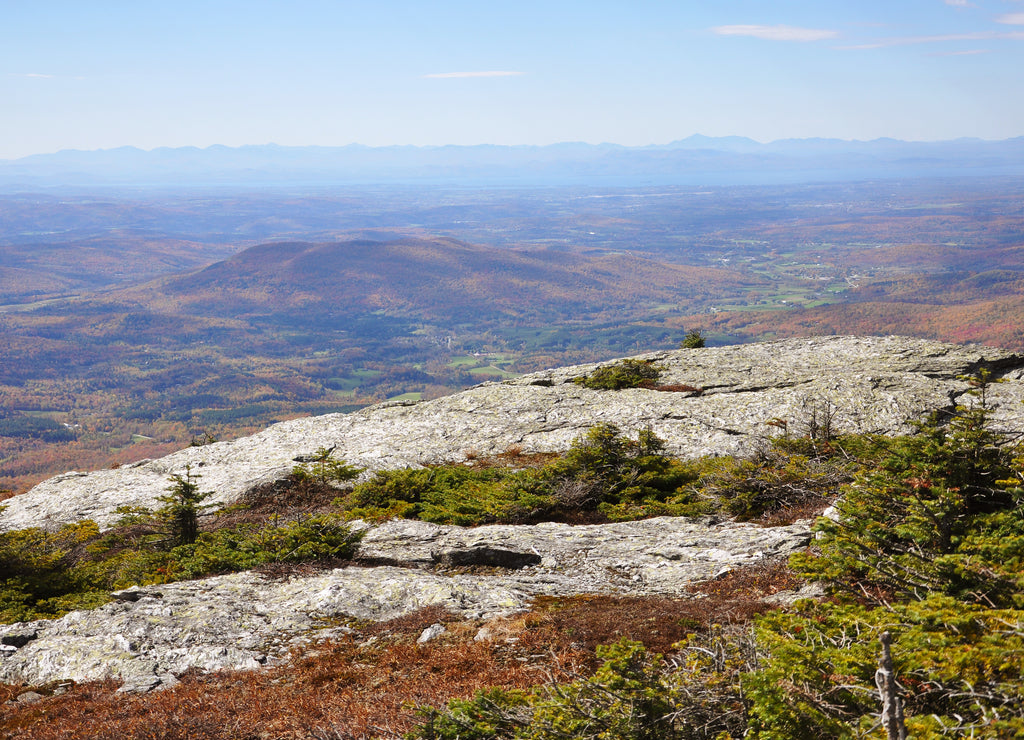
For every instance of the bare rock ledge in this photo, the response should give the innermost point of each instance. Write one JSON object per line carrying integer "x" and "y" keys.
{"x": 876, "y": 384}
{"x": 147, "y": 636}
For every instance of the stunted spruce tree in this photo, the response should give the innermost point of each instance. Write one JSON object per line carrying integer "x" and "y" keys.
{"x": 182, "y": 507}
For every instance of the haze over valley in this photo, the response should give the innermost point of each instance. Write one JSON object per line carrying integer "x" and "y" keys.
{"x": 139, "y": 320}
{"x": 521, "y": 371}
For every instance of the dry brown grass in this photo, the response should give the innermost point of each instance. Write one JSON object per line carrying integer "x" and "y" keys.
{"x": 751, "y": 584}
{"x": 679, "y": 388}
{"x": 366, "y": 685}
{"x": 346, "y": 688}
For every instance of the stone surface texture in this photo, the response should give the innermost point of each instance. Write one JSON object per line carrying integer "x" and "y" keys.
{"x": 244, "y": 620}
{"x": 875, "y": 384}
{"x": 147, "y": 636}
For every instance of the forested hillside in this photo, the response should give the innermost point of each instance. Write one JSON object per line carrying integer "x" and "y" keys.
{"x": 219, "y": 314}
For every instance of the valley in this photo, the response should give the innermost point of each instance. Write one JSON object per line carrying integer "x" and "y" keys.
{"x": 136, "y": 323}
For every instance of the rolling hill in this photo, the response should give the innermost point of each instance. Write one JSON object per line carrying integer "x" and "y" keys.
{"x": 286, "y": 329}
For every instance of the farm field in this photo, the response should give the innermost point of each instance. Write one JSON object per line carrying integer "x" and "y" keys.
{"x": 148, "y": 322}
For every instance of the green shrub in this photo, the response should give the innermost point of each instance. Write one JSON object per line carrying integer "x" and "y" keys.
{"x": 451, "y": 494}
{"x": 777, "y": 481}
{"x": 927, "y": 546}
{"x": 931, "y": 518}
{"x": 603, "y": 471}
{"x": 694, "y": 339}
{"x": 628, "y": 373}
{"x": 633, "y": 695}
{"x": 250, "y": 546}
{"x": 182, "y": 507}
{"x": 36, "y": 577}
{"x": 325, "y": 470}
{"x": 960, "y": 665}
{"x": 605, "y": 468}
{"x": 44, "y": 575}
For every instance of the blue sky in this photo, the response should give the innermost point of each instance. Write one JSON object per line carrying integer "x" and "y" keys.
{"x": 90, "y": 75}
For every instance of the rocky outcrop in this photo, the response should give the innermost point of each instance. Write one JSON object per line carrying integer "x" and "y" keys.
{"x": 147, "y": 636}
{"x": 738, "y": 396}
{"x": 874, "y": 384}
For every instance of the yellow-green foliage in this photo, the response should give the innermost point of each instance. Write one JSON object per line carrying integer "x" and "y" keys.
{"x": 633, "y": 695}
{"x": 961, "y": 667}
{"x": 324, "y": 469}
{"x": 451, "y": 495}
{"x": 798, "y": 475}
{"x": 48, "y": 574}
{"x": 35, "y": 577}
{"x": 603, "y": 471}
{"x": 694, "y": 339}
{"x": 929, "y": 547}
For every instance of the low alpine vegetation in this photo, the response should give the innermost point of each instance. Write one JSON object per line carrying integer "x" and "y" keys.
{"x": 605, "y": 476}
{"x": 628, "y": 373}
{"x": 44, "y": 574}
{"x": 924, "y": 568}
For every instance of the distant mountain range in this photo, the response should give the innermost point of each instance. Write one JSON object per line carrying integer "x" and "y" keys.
{"x": 697, "y": 160}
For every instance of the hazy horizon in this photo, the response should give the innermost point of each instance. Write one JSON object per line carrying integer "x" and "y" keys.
{"x": 523, "y": 145}
{"x": 315, "y": 73}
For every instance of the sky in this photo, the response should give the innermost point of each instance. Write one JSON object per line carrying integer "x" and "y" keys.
{"x": 104, "y": 74}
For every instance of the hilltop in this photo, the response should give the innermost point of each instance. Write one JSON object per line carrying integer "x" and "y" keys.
{"x": 139, "y": 321}
{"x": 826, "y": 397}
{"x": 877, "y": 385}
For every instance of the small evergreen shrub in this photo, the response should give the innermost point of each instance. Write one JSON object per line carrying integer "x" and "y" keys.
{"x": 451, "y": 494}
{"x": 627, "y": 373}
{"x": 603, "y": 473}
{"x": 694, "y": 339}
{"x": 633, "y": 695}
{"x": 322, "y": 468}
{"x": 44, "y": 574}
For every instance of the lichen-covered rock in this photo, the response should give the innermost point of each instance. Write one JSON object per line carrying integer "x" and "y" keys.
{"x": 874, "y": 384}
{"x": 236, "y": 621}
{"x": 147, "y": 636}
{"x": 239, "y": 621}
{"x": 654, "y": 556}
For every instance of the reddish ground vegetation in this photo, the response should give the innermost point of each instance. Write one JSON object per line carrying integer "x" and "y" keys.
{"x": 513, "y": 457}
{"x": 289, "y": 497}
{"x": 367, "y": 684}
{"x": 750, "y": 584}
{"x": 342, "y": 689}
{"x": 679, "y": 388}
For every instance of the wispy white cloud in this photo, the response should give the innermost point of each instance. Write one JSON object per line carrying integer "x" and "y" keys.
{"x": 777, "y": 33}
{"x": 450, "y": 75}
{"x": 958, "y": 3}
{"x": 938, "y": 39}
{"x": 966, "y": 53}
{"x": 30, "y": 74}
{"x": 1011, "y": 19}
